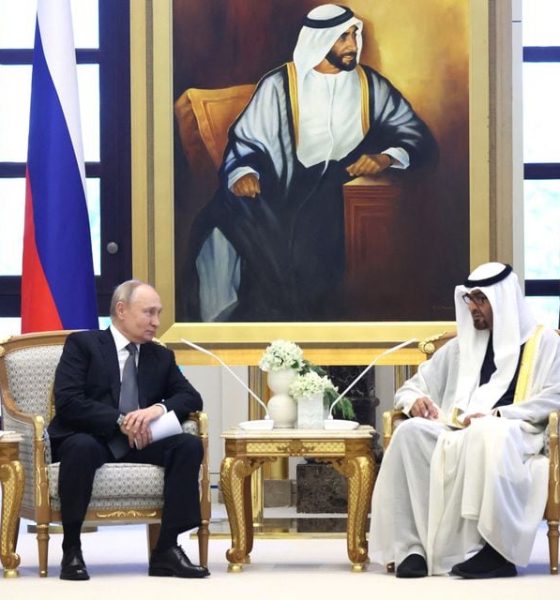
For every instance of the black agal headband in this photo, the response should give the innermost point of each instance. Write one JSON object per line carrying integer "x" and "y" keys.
{"x": 470, "y": 283}
{"x": 326, "y": 23}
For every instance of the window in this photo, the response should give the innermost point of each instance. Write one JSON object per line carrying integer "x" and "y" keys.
{"x": 541, "y": 156}
{"x": 101, "y": 35}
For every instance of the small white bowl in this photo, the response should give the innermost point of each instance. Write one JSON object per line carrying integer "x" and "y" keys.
{"x": 340, "y": 424}
{"x": 258, "y": 425}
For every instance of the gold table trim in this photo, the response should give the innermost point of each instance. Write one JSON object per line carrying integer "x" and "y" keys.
{"x": 349, "y": 452}
{"x": 12, "y": 480}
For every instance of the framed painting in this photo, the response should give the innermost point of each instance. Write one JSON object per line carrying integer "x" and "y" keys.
{"x": 430, "y": 226}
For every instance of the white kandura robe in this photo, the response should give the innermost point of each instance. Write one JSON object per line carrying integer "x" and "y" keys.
{"x": 440, "y": 491}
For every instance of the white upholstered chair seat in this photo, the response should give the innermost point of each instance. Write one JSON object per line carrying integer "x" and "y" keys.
{"x": 118, "y": 486}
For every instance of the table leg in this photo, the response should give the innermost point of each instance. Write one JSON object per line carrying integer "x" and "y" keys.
{"x": 12, "y": 479}
{"x": 235, "y": 486}
{"x": 248, "y": 515}
{"x": 359, "y": 472}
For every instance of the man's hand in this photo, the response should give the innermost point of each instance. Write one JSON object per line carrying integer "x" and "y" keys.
{"x": 136, "y": 425}
{"x": 370, "y": 164}
{"x": 248, "y": 186}
{"x": 425, "y": 408}
{"x": 468, "y": 419}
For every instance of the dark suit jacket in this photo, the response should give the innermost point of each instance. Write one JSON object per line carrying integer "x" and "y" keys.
{"x": 87, "y": 385}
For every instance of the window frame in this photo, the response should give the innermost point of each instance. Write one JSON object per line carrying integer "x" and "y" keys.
{"x": 541, "y": 171}
{"x": 113, "y": 168}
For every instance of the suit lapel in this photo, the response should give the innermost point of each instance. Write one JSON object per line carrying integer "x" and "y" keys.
{"x": 109, "y": 353}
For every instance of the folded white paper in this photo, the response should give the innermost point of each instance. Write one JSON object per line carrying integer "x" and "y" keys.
{"x": 168, "y": 424}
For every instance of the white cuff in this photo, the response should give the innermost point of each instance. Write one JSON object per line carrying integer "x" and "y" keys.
{"x": 401, "y": 159}
{"x": 238, "y": 174}
{"x": 162, "y": 406}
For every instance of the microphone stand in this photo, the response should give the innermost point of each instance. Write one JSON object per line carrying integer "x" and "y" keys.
{"x": 371, "y": 364}
{"x": 204, "y": 351}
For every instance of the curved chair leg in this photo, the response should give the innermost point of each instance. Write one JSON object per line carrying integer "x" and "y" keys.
{"x": 553, "y": 546}
{"x": 16, "y": 536}
{"x": 43, "y": 546}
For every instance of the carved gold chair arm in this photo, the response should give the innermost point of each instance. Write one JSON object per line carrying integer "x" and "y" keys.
{"x": 553, "y": 501}
{"x": 391, "y": 418}
{"x": 201, "y": 420}
{"x": 429, "y": 345}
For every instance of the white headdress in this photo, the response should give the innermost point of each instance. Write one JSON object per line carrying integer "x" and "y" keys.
{"x": 512, "y": 326}
{"x": 321, "y": 28}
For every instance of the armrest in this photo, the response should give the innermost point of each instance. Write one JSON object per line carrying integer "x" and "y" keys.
{"x": 429, "y": 345}
{"x": 553, "y": 419}
{"x": 391, "y": 419}
{"x": 553, "y": 503}
{"x": 34, "y": 454}
{"x": 200, "y": 421}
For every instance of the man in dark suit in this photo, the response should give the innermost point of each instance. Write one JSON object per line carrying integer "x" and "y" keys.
{"x": 109, "y": 386}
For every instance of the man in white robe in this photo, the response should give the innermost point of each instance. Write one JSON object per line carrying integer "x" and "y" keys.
{"x": 465, "y": 472}
{"x": 270, "y": 246}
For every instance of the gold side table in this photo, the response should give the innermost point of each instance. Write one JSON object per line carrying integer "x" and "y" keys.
{"x": 12, "y": 479}
{"x": 349, "y": 452}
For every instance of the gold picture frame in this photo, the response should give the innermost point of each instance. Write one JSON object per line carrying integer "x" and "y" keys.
{"x": 153, "y": 212}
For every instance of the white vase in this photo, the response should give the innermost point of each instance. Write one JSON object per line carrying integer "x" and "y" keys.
{"x": 279, "y": 381}
{"x": 310, "y": 411}
{"x": 283, "y": 411}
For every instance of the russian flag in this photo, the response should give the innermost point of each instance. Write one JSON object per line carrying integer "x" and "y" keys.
{"x": 58, "y": 283}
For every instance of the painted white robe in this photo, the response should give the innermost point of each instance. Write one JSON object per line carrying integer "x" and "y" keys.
{"x": 441, "y": 491}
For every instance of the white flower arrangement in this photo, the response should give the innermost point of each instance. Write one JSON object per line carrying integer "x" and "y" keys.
{"x": 310, "y": 383}
{"x": 281, "y": 354}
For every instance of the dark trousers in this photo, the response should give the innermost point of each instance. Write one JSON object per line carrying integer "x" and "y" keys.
{"x": 81, "y": 454}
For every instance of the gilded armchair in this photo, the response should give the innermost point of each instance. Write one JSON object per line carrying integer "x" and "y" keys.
{"x": 122, "y": 492}
{"x": 392, "y": 418}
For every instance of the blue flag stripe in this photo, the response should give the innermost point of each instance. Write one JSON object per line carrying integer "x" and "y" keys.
{"x": 61, "y": 222}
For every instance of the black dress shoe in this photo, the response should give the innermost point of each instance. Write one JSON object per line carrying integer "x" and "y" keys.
{"x": 73, "y": 567}
{"x": 507, "y": 570}
{"x": 414, "y": 565}
{"x": 486, "y": 564}
{"x": 173, "y": 562}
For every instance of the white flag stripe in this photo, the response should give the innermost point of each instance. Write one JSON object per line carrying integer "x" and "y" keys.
{"x": 57, "y": 37}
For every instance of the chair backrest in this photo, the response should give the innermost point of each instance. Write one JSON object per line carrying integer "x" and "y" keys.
{"x": 27, "y": 367}
{"x": 205, "y": 116}
{"x": 429, "y": 345}
{"x": 433, "y": 343}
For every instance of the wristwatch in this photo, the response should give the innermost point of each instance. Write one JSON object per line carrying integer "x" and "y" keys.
{"x": 120, "y": 420}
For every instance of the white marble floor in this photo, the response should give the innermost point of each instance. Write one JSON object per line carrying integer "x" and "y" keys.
{"x": 291, "y": 569}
